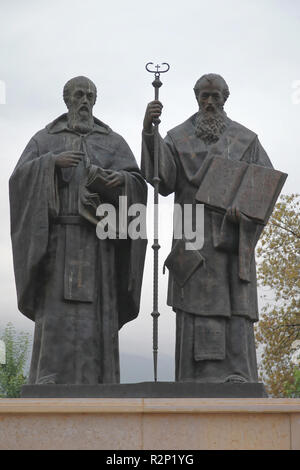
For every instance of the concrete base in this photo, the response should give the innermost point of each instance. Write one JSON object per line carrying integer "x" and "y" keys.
{"x": 151, "y": 424}
{"x": 147, "y": 390}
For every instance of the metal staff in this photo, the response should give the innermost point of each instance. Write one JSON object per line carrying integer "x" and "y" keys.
{"x": 155, "y": 313}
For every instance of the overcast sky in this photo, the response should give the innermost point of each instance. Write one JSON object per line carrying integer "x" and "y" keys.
{"x": 254, "y": 44}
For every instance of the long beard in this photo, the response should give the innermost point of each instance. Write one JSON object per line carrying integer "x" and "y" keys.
{"x": 83, "y": 125}
{"x": 210, "y": 127}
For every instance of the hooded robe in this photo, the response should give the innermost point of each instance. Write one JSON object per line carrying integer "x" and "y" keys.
{"x": 78, "y": 289}
{"x": 213, "y": 290}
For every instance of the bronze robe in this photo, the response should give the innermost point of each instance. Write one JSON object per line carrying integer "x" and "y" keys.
{"x": 78, "y": 289}
{"x": 217, "y": 305}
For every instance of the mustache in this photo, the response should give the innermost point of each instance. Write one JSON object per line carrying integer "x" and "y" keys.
{"x": 84, "y": 107}
{"x": 218, "y": 111}
{"x": 76, "y": 115}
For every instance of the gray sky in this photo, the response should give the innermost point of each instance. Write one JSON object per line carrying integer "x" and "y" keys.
{"x": 254, "y": 44}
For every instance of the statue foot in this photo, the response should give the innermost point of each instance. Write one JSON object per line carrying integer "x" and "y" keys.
{"x": 238, "y": 379}
{"x": 47, "y": 380}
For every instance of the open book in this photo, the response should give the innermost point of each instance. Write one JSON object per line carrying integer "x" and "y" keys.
{"x": 253, "y": 189}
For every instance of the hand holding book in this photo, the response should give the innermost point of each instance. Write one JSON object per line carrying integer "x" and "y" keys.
{"x": 105, "y": 183}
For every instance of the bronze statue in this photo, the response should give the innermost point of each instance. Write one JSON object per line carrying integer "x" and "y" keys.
{"x": 213, "y": 290}
{"x": 78, "y": 289}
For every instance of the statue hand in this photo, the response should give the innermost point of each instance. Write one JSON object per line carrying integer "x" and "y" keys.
{"x": 153, "y": 111}
{"x": 68, "y": 159}
{"x": 233, "y": 215}
{"x": 114, "y": 178}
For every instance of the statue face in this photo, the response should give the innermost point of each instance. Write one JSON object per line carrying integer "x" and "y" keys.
{"x": 82, "y": 99}
{"x": 210, "y": 98}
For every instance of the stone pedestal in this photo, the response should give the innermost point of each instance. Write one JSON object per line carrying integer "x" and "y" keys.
{"x": 137, "y": 423}
{"x": 147, "y": 390}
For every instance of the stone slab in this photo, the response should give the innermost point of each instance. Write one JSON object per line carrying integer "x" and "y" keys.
{"x": 295, "y": 431}
{"x": 216, "y": 431}
{"x": 149, "y": 424}
{"x": 147, "y": 390}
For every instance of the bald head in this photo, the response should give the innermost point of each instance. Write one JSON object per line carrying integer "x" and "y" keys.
{"x": 212, "y": 80}
{"x": 81, "y": 83}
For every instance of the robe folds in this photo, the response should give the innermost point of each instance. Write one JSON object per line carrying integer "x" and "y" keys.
{"x": 215, "y": 303}
{"x": 78, "y": 289}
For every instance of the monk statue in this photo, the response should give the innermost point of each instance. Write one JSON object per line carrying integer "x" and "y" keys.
{"x": 209, "y": 159}
{"x": 77, "y": 288}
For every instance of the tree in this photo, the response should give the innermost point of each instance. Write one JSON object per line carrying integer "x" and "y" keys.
{"x": 293, "y": 389}
{"x": 279, "y": 273}
{"x": 12, "y": 375}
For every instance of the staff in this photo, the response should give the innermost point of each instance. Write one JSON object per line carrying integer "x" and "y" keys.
{"x": 155, "y": 313}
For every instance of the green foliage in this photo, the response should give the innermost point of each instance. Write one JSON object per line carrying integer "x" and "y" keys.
{"x": 12, "y": 373}
{"x": 292, "y": 390}
{"x": 279, "y": 271}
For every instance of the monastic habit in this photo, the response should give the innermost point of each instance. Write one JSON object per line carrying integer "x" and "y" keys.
{"x": 212, "y": 290}
{"x": 78, "y": 289}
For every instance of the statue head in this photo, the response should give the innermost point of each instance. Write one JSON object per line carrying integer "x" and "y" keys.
{"x": 211, "y": 92}
{"x": 80, "y": 95}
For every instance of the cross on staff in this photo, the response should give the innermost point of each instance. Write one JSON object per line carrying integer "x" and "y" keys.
{"x": 155, "y": 313}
